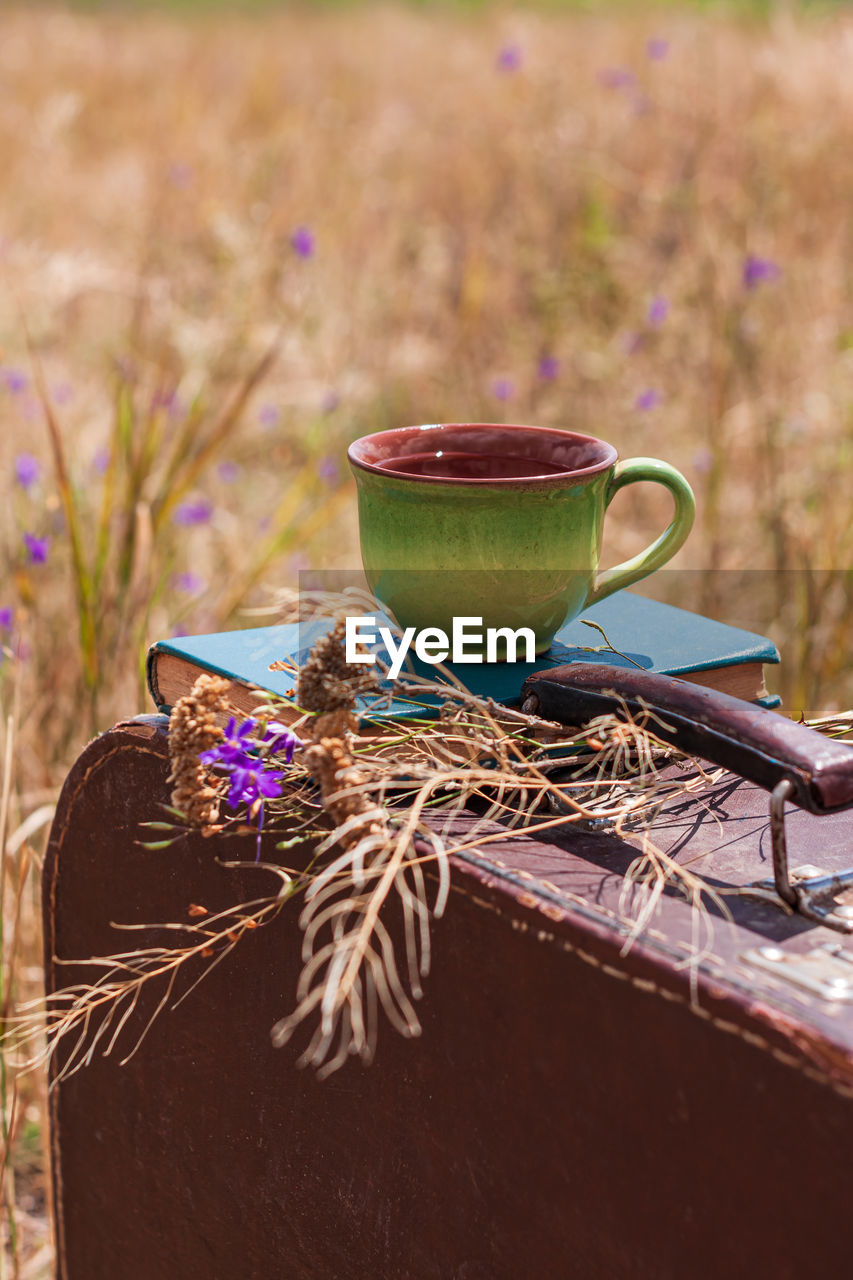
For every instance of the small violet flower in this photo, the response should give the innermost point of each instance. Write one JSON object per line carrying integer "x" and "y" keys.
{"x": 658, "y": 310}
{"x": 510, "y": 58}
{"x": 37, "y": 548}
{"x": 6, "y": 618}
{"x": 328, "y": 469}
{"x": 101, "y": 461}
{"x": 302, "y": 242}
{"x": 228, "y": 472}
{"x": 503, "y": 389}
{"x": 268, "y": 415}
{"x": 16, "y": 381}
{"x": 549, "y": 368}
{"x": 616, "y": 78}
{"x": 27, "y": 470}
{"x": 657, "y": 49}
{"x": 758, "y": 271}
{"x": 190, "y": 583}
{"x": 250, "y": 786}
{"x": 649, "y": 399}
{"x": 180, "y": 175}
{"x": 192, "y": 513}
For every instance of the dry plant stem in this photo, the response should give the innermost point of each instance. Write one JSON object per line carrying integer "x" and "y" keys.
{"x": 92, "y": 1016}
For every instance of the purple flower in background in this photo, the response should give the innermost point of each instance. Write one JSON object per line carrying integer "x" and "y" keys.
{"x": 549, "y": 368}
{"x": 192, "y": 513}
{"x": 503, "y": 389}
{"x": 649, "y": 399}
{"x": 37, "y": 548}
{"x": 27, "y": 470}
{"x": 179, "y": 631}
{"x": 510, "y": 57}
{"x": 228, "y": 472}
{"x": 16, "y": 381}
{"x": 63, "y": 392}
{"x": 268, "y": 415}
{"x": 616, "y": 78}
{"x": 101, "y": 460}
{"x": 190, "y": 583}
{"x": 302, "y": 242}
{"x": 657, "y": 49}
{"x": 658, "y": 310}
{"x": 6, "y": 618}
{"x": 331, "y": 401}
{"x": 180, "y": 175}
{"x": 328, "y": 469}
{"x": 758, "y": 271}
{"x": 703, "y": 460}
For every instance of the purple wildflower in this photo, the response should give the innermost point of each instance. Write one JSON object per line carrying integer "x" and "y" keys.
{"x": 510, "y": 57}
{"x": 302, "y": 242}
{"x": 16, "y": 381}
{"x": 228, "y": 472}
{"x": 649, "y": 399}
{"x": 268, "y": 415}
{"x": 549, "y": 368}
{"x": 658, "y": 310}
{"x": 616, "y": 78}
{"x": 6, "y": 618}
{"x": 27, "y": 470}
{"x": 657, "y": 49}
{"x": 101, "y": 461}
{"x": 328, "y": 469}
{"x": 180, "y": 175}
{"x": 281, "y": 740}
{"x": 703, "y": 460}
{"x": 233, "y": 750}
{"x": 758, "y": 271}
{"x": 190, "y": 583}
{"x": 37, "y": 548}
{"x": 503, "y": 389}
{"x": 191, "y": 513}
{"x": 253, "y": 785}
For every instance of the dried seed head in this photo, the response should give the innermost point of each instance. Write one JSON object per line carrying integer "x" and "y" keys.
{"x": 193, "y": 729}
{"x": 327, "y": 682}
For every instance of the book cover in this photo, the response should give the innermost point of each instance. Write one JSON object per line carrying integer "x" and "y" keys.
{"x": 654, "y": 636}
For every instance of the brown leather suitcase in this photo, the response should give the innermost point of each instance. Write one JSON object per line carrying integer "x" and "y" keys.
{"x": 573, "y": 1108}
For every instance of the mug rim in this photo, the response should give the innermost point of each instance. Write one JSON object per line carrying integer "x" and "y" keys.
{"x": 358, "y": 448}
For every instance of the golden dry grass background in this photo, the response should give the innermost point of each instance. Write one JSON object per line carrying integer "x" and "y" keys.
{"x": 469, "y": 221}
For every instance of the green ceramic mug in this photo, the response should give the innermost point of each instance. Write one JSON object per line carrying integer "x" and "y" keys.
{"x": 499, "y": 522}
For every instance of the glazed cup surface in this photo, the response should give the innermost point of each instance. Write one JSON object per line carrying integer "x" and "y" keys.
{"x": 516, "y": 551}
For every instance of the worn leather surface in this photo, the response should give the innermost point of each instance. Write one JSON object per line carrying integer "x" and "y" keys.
{"x": 570, "y": 1110}
{"x": 756, "y": 743}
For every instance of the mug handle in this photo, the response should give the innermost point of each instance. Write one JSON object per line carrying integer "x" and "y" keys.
{"x": 665, "y": 547}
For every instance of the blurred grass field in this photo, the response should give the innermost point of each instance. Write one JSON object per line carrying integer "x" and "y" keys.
{"x": 230, "y": 245}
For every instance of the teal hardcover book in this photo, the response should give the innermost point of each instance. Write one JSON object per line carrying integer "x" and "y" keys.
{"x": 654, "y": 636}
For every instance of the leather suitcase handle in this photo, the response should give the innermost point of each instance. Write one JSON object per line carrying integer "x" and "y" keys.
{"x": 760, "y": 745}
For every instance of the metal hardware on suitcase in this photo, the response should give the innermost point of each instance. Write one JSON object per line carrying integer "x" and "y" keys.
{"x": 575, "y": 1107}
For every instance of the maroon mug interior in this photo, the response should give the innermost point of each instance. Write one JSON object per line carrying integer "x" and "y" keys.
{"x": 481, "y": 453}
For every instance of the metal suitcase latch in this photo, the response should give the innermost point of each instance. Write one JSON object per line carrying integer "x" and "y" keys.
{"x": 815, "y": 897}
